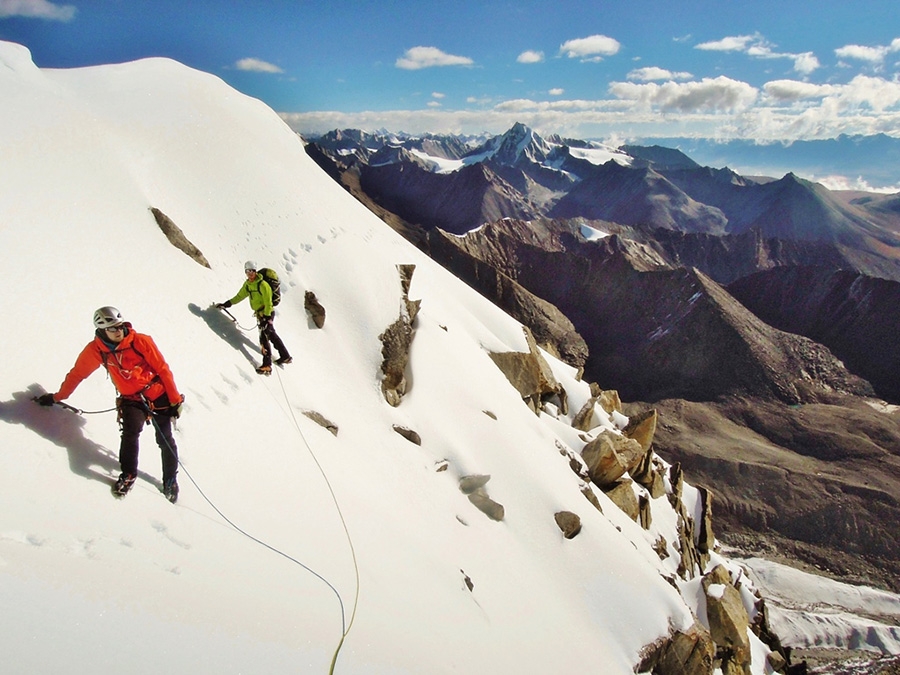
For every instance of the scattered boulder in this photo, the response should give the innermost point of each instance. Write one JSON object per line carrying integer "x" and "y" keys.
{"x": 609, "y": 456}
{"x": 728, "y": 620}
{"x": 531, "y": 375}
{"x": 473, "y": 487}
{"x": 642, "y": 427}
{"x": 314, "y": 308}
{"x": 645, "y": 515}
{"x": 469, "y": 484}
{"x": 177, "y": 238}
{"x": 487, "y": 506}
{"x": 705, "y": 537}
{"x": 622, "y": 495}
{"x": 321, "y": 421}
{"x": 408, "y": 434}
{"x": 588, "y": 493}
{"x": 608, "y": 399}
{"x": 569, "y": 523}
{"x": 689, "y": 652}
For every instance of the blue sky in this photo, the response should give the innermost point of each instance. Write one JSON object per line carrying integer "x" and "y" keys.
{"x": 621, "y": 69}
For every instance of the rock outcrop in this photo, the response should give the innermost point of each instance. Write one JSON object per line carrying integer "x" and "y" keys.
{"x": 531, "y": 376}
{"x": 396, "y": 341}
{"x": 177, "y": 237}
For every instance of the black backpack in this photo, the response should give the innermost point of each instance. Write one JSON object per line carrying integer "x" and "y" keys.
{"x": 271, "y": 278}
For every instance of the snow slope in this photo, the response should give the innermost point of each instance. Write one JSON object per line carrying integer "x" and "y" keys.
{"x": 291, "y": 548}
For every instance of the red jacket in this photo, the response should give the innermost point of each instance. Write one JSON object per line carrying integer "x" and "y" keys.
{"x": 135, "y": 367}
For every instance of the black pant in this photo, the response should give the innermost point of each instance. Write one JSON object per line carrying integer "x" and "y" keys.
{"x": 134, "y": 416}
{"x": 268, "y": 337}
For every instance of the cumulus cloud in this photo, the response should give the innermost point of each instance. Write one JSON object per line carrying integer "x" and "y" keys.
{"x": 592, "y": 48}
{"x": 530, "y": 57}
{"x": 709, "y": 94}
{"x": 805, "y": 63}
{"x": 257, "y": 66}
{"x": 429, "y": 57}
{"x": 756, "y": 46}
{"x": 653, "y": 73}
{"x": 872, "y": 55}
{"x": 780, "y": 111}
{"x": 557, "y": 92}
{"x": 736, "y": 43}
{"x": 36, "y": 9}
{"x": 792, "y": 90}
{"x": 873, "y": 93}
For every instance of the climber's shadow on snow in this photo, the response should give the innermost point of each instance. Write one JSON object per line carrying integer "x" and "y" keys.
{"x": 228, "y": 330}
{"x": 65, "y": 429}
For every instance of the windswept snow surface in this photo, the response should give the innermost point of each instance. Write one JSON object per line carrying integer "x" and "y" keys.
{"x": 286, "y": 537}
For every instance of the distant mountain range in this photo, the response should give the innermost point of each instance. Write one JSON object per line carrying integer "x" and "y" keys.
{"x": 457, "y": 184}
{"x": 873, "y": 159}
{"x": 710, "y": 294}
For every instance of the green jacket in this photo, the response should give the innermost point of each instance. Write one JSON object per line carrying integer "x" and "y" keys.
{"x": 260, "y": 294}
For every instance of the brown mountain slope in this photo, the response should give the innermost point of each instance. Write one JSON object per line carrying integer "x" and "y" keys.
{"x": 855, "y": 316}
{"x": 654, "y": 332}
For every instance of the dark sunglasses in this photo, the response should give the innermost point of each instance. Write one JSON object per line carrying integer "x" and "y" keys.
{"x": 112, "y": 329}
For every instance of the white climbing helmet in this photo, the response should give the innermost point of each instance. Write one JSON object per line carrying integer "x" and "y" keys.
{"x": 107, "y": 317}
{"x": 250, "y": 265}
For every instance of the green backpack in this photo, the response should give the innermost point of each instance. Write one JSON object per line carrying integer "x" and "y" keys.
{"x": 271, "y": 278}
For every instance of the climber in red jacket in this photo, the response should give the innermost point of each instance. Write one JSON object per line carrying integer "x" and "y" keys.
{"x": 147, "y": 392}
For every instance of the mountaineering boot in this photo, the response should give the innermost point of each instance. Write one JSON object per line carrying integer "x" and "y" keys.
{"x": 124, "y": 484}
{"x": 264, "y": 370}
{"x": 284, "y": 360}
{"x": 170, "y": 489}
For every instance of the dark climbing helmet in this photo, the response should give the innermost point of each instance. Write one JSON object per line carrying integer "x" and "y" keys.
{"x": 107, "y": 317}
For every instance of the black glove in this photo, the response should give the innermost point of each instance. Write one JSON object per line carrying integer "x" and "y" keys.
{"x": 174, "y": 410}
{"x": 223, "y": 305}
{"x": 46, "y": 399}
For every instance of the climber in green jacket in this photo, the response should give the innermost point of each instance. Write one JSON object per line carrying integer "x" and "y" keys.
{"x": 261, "y": 302}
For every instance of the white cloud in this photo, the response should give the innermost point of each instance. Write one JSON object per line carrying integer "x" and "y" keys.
{"x": 591, "y": 48}
{"x": 651, "y": 73}
{"x": 862, "y": 53}
{"x": 429, "y": 57}
{"x": 756, "y": 46}
{"x": 722, "y": 108}
{"x": 737, "y": 43}
{"x": 792, "y": 90}
{"x": 36, "y": 9}
{"x": 557, "y": 92}
{"x": 873, "y": 92}
{"x": 805, "y": 63}
{"x": 257, "y": 66}
{"x": 530, "y": 57}
{"x": 709, "y": 94}
{"x": 437, "y": 94}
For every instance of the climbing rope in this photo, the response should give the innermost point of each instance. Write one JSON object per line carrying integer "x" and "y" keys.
{"x": 346, "y": 629}
{"x": 345, "y": 625}
{"x": 235, "y": 321}
{"x": 77, "y": 411}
